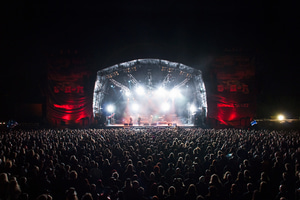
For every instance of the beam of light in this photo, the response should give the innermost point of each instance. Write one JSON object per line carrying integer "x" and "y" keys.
{"x": 127, "y": 93}
{"x": 175, "y": 93}
{"x": 160, "y": 92}
{"x": 193, "y": 108}
{"x": 165, "y": 106}
{"x": 140, "y": 90}
{"x": 110, "y": 108}
{"x": 135, "y": 107}
{"x": 280, "y": 117}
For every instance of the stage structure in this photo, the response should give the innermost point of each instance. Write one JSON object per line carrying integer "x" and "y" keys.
{"x": 150, "y": 92}
{"x": 69, "y": 92}
{"x": 232, "y": 93}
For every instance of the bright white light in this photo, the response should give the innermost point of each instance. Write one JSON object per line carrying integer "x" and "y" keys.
{"x": 165, "y": 107}
{"x": 160, "y": 91}
{"x": 127, "y": 93}
{"x": 175, "y": 92}
{"x": 280, "y": 117}
{"x": 193, "y": 108}
{"x": 140, "y": 90}
{"x": 110, "y": 108}
{"x": 135, "y": 107}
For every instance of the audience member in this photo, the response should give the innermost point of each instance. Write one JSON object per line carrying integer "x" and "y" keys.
{"x": 150, "y": 163}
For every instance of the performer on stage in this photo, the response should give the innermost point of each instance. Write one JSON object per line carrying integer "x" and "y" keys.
{"x": 150, "y": 119}
{"x": 139, "y": 120}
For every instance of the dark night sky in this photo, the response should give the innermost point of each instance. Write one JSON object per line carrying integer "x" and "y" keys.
{"x": 188, "y": 33}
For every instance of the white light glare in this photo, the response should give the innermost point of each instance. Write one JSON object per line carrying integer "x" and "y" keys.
{"x": 165, "y": 107}
{"x": 135, "y": 107}
{"x": 127, "y": 93}
{"x": 140, "y": 90}
{"x": 160, "y": 91}
{"x": 280, "y": 117}
{"x": 175, "y": 92}
{"x": 110, "y": 108}
{"x": 193, "y": 108}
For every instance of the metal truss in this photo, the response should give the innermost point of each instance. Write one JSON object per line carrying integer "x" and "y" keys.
{"x": 120, "y": 85}
{"x": 108, "y": 73}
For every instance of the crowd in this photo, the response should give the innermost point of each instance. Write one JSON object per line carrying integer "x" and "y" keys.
{"x": 141, "y": 164}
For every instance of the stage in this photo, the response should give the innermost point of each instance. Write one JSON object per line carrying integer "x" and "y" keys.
{"x": 145, "y": 126}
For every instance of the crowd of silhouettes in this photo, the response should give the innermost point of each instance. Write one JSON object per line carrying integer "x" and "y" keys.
{"x": 145, "y": 164}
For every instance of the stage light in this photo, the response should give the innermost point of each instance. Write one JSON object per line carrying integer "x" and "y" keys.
{"x": 127, "y": 93}
{"x": 135, "y": 107}
{"x": 140, "y": 90}
{"x": 110, "y": 108}
{"x": 280, "y": 117}
{"x": 175, "y": 93}
{"x": 193, "y": 108}
{"x": 165, "y": 106}
{"x": 160, "y": 91}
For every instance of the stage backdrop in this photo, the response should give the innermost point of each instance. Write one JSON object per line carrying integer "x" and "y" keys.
{"x": 69, "y": 97}
{"x": 232, "y": 99}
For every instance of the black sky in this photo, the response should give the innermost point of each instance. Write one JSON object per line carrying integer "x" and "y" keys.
{"x": 183, "y": 31}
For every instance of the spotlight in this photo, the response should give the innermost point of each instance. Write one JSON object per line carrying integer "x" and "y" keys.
{"x": 110, "y": 108}
{"x": 160, "y": 91}
{"x": 165, "y": 107}
{"x": 140, "y": 90}
{"x": 175, "y": 93}
{"x": 127, "y": 93}
{"x": 280, "y": 117}
{"x": 193, "y": 108}
{"x": 135, "y": 107}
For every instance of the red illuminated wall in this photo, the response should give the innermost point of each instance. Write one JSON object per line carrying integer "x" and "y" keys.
{"x": 232, "y": 99}
{"x": 69, "y": 97}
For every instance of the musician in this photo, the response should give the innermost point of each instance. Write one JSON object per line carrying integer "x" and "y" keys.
{"x": 139, "y": 120}
{"x": 150, "y": 119}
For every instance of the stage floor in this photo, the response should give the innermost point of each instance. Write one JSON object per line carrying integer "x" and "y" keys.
{"x": 148, "y": 126}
